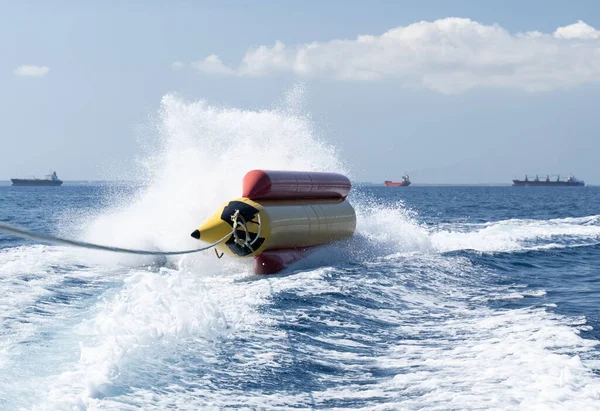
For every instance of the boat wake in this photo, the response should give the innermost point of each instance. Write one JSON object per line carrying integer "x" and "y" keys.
{"x": 388, "y": 319}
{"x": 518, "y": 235}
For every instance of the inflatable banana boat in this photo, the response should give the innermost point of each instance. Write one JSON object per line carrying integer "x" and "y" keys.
{"x": 280, "y": 217}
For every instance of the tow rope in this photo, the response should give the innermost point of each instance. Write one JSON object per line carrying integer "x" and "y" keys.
{"x": 24, "y": 233}
{"x": 246, "y": 241}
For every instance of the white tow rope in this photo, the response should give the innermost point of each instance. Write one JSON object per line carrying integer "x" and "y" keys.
{"x": 24, "y": 233}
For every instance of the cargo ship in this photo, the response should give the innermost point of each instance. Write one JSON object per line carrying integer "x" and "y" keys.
{"x": 404, "y": 183}
{"x": 536, "y": 182}
{"x": 50, "y": 180}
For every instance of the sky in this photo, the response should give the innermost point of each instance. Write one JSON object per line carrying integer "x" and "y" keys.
{"x": 448, "y": 91}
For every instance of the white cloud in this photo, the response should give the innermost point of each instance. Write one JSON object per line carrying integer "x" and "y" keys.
{"x": 31, "y": 71}
{"x": 212, "y": 65}
{"x": 450, "y": 55}
{"x": 266, "y": 59}
{"x": 177, "y": 65}
{"x": 579, "y": 30}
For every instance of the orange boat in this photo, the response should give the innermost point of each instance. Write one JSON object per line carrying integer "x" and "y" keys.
{"x": 404, "y": 183}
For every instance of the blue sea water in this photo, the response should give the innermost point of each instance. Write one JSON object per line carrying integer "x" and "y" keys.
{"x": 446, "y": 298}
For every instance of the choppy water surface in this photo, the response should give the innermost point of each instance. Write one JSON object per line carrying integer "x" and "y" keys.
{"x": 446, "y": 298}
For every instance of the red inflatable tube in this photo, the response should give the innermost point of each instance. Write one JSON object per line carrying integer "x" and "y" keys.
{"x": 280, "y": 185}
{"x": 273, "y": 261}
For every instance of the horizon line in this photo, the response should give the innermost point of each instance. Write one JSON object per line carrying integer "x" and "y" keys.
{"x": 364, "y": 183}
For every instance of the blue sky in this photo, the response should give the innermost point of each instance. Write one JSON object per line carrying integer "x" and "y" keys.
{"x": 100, "y": 70}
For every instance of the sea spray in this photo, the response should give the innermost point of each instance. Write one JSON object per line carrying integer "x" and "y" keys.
{"x": 198, "y": 163}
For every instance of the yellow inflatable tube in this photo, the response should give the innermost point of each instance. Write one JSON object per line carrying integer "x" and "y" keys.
{"x": 253, "y": 227}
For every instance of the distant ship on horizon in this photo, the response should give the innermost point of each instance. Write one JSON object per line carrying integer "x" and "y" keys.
{"x": 570, "y": 182}
{"x": 404, "y": 183}
{"x": 50, "y": 180}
